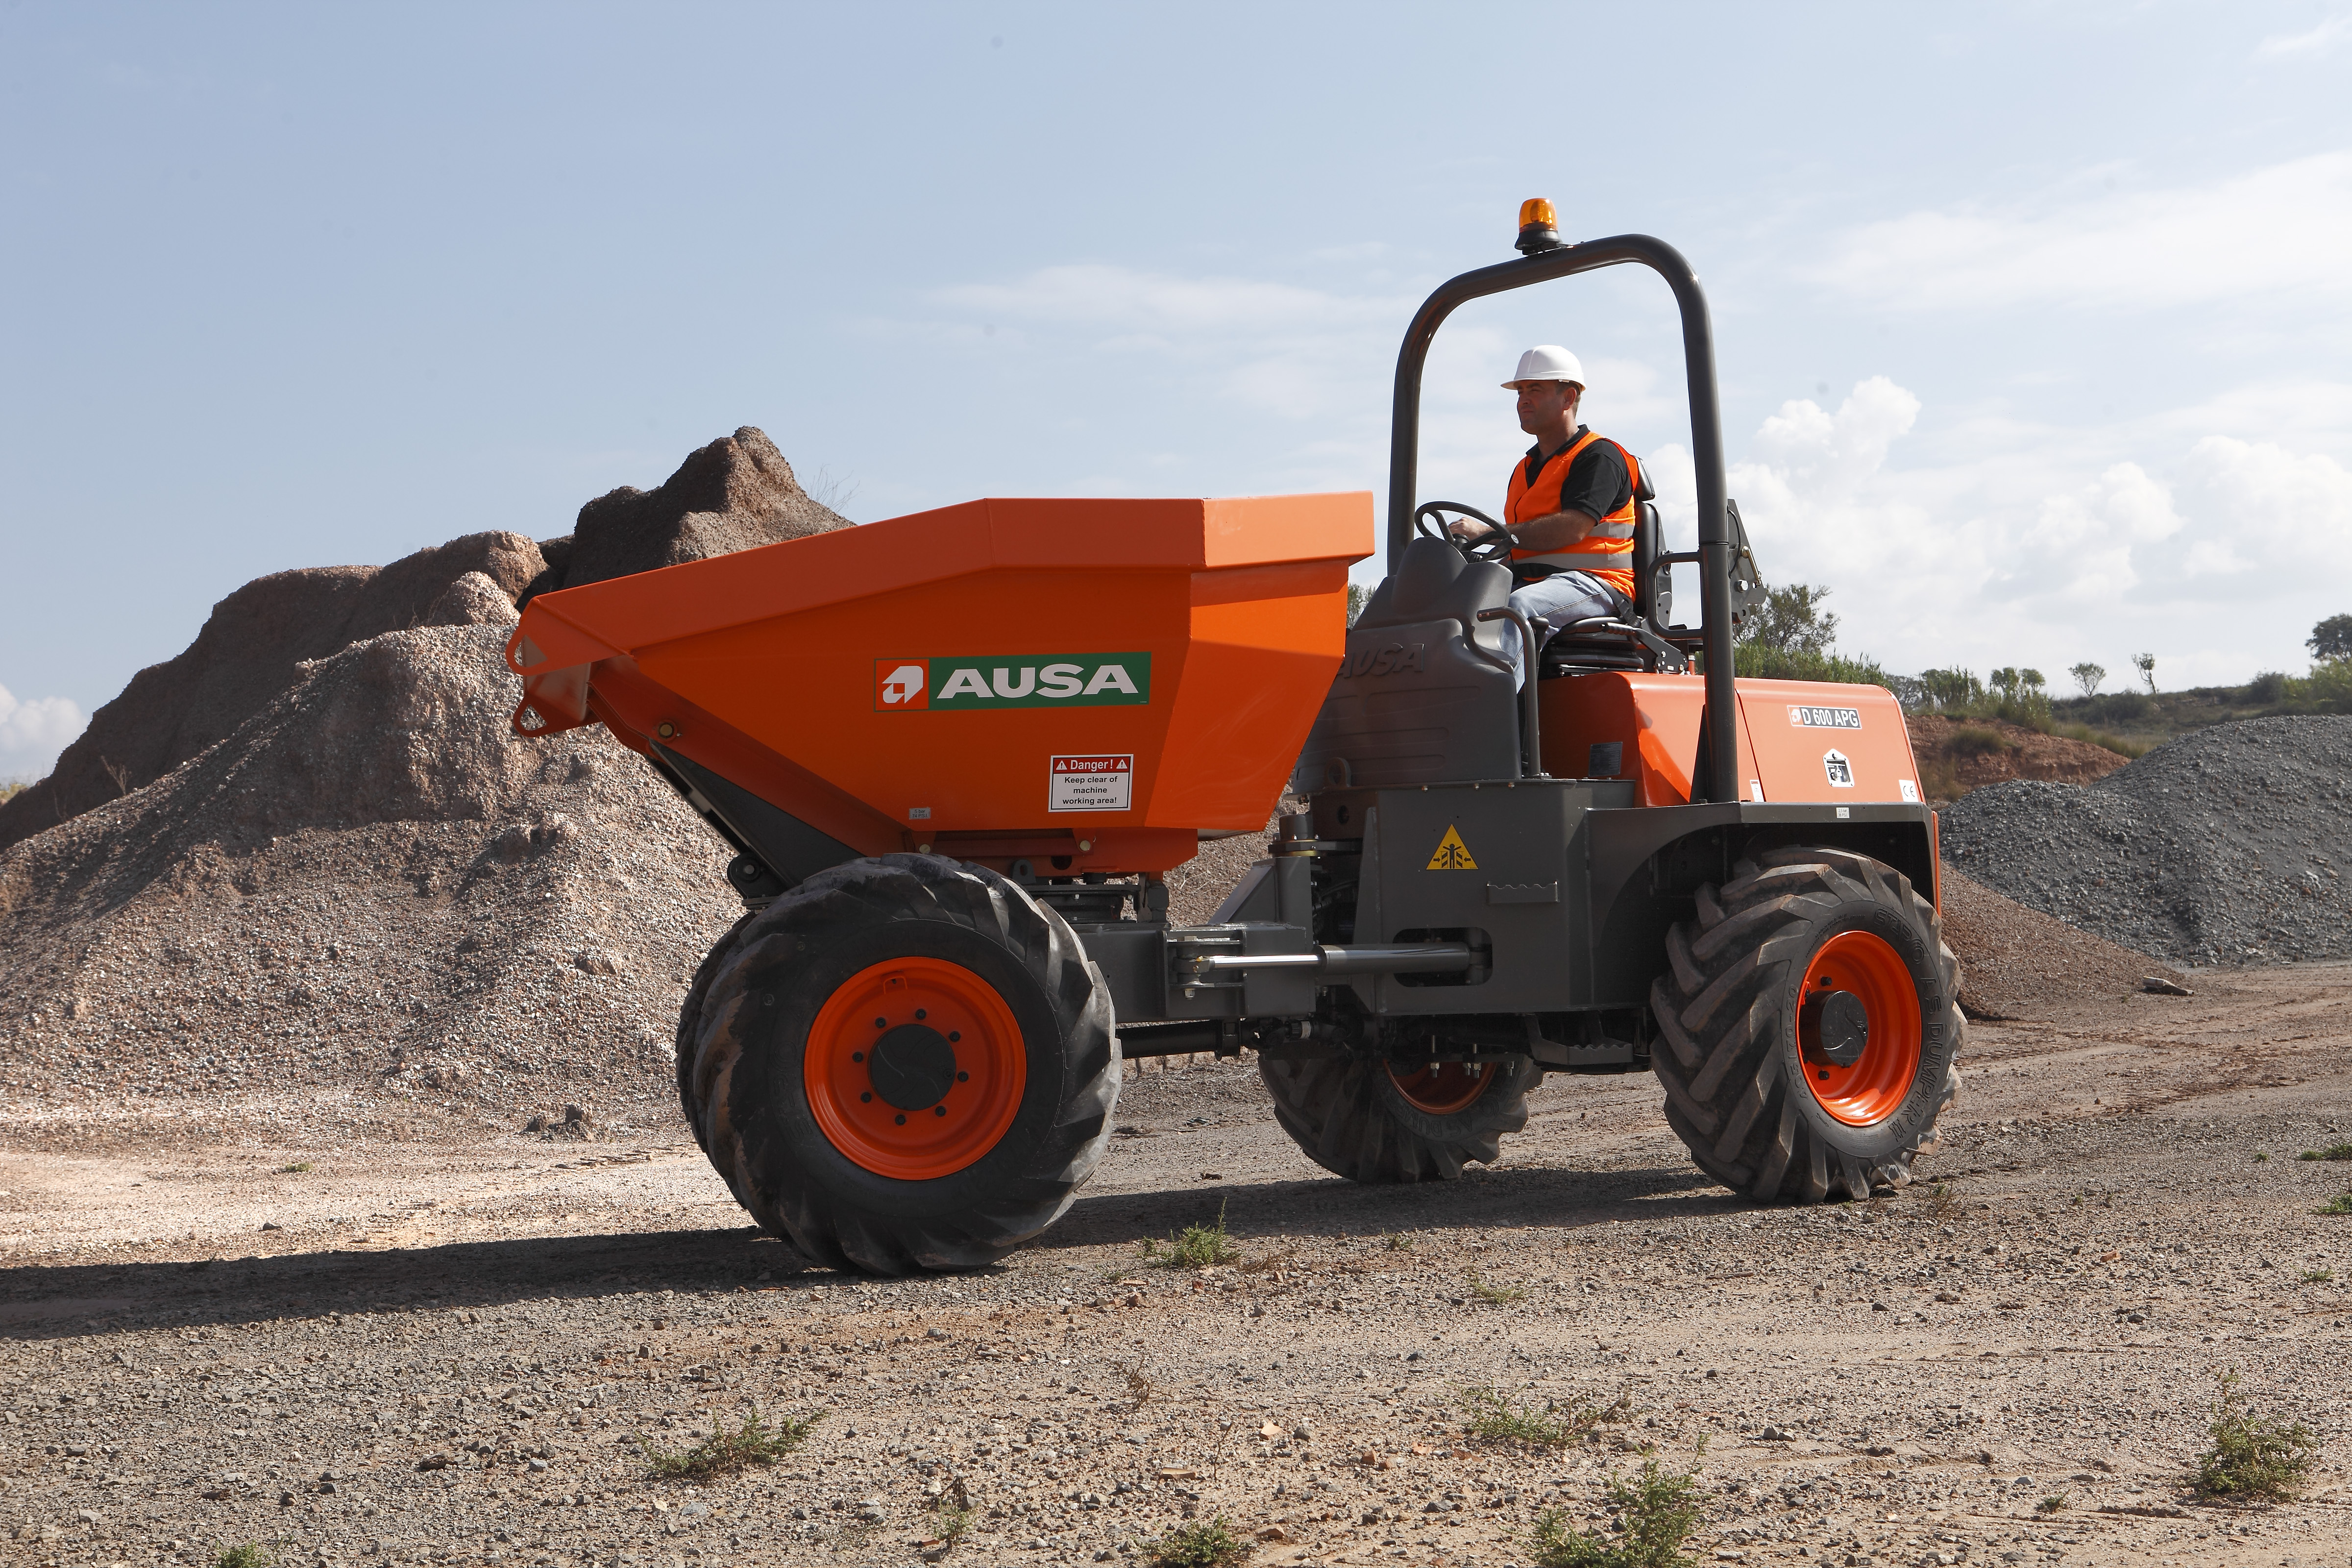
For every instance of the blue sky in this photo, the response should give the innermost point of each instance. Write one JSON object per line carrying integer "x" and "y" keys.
{"x": 2033, "y": 330}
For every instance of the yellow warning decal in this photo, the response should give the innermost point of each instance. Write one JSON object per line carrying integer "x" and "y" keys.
{"x": 1453, "y": 855}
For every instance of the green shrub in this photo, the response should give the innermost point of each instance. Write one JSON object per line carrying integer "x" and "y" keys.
{"x": 2333, "y": 1151}
{"x": 1497, "y": 1420}
{"x": 1944, "y": 691}
{"x": 1657, "y": 1510}
{"x": 1194, "y": 1247}
{"x": 2118, "y": 709}
{"x": 1972, "y": 743}
{"x": 1758, "y": 661}
{"x": 248, "y": 1555}
{"x": 2326, "y": 689}
{"x": 2252, "y": 1456}
{"x": 1209, "y": 1545}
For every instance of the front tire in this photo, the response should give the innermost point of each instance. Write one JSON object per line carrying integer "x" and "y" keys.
{"x": 903, "y": 1063}
{"x": 1361, "y": 1119}
{"x": 1809, "y": 1027}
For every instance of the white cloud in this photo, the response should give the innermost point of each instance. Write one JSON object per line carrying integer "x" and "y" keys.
{"x": 2312, "y": 43}
{"x": 2286, "y": 228}
{"x": 33, "y": 733}
{"x": 2034, "y": 549}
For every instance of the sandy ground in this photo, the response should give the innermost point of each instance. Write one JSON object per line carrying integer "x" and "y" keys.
{"x": 1899, "y": 1382}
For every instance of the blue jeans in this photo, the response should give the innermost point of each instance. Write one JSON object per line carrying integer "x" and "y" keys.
{"x": 1562, "y": 597}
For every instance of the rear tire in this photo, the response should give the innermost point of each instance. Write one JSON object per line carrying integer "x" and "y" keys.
{"x": 689, "y": 1019}
{"x": 1784, "y": 1098}
{"x": 1356, "y": 1119}
{"x": 794, "y": 1052}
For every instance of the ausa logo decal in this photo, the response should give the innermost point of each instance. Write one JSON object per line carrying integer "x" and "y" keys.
{"x": 1012, "y": 681}
{"x": 1452, "y": 854}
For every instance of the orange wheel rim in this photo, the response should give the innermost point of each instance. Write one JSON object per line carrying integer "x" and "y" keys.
{"x": 915, "y": 1068}
{"x": 1858, "y": 1029}
{"x": 1441, "y": 1088}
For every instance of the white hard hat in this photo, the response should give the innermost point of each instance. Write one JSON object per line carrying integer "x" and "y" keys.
{"x": 1547, "y": 362}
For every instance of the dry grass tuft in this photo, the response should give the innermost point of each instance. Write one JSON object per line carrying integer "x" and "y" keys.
{"x": 1493, "y": 1295}
{"x": 724, "y": 1452}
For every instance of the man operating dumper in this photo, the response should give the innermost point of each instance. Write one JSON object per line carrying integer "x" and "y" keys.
{"x": 1570, "y": 510}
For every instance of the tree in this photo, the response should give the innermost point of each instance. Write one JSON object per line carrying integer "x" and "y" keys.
{"x": 1792, "y": 620}
{"x": 2087, "y": 675}
{"x": 2032, "y": 681}
{"x": 2146, "y": 664}
{"x": 2331, "y": 638}
{"x": 1355, "y": 602}
{"x": 1950, "y": 689}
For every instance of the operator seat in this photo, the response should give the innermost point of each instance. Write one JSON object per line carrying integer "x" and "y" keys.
{"x": 1423, "y": 694}
{"x": 1653, "y": 599}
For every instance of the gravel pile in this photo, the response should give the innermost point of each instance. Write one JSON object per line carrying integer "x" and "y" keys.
{"x": 2017, "y": 962}
{"x": 2220, "y": 847}
{"x": 373, "y": 882}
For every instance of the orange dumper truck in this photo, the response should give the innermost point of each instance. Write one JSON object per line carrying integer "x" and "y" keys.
{"x": 955, "y": 753}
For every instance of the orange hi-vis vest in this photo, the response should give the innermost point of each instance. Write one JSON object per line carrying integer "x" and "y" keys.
{"x": 1608, "y": 551}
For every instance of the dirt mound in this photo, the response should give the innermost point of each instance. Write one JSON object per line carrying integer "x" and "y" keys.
{"x": 2018, "y": 963}
{"x": 1957, "y": 755}
{"x": 371, "y": 882}
{"x": 734, "y": 494}
{"x": 2218, "y": 847}
{"x": 247, "y": 653}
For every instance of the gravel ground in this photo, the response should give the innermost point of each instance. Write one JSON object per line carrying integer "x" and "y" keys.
{"x": 449, "y": 1350}
{"x": 2219, "y": 847}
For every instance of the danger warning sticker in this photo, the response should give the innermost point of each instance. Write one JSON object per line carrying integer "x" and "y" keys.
{"x": 1452, "y": 854}
{"x": 1092, "y": 784}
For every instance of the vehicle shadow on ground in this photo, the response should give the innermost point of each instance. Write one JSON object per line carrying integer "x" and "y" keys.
{"x": 1509, "y": 1198}
{"x": 49, "y": 1301}
{"x": 44, "y": 1301}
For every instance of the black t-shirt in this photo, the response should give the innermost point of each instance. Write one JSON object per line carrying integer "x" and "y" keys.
{"x": 1598, "y": 482}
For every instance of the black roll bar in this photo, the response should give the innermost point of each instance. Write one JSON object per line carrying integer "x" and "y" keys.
{"x": 1715, "y": 544}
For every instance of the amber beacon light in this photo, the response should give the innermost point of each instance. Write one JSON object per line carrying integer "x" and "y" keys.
{"x": 1539, "y": 228}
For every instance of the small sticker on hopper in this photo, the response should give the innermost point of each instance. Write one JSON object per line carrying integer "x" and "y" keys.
{"x": 1092, "y": 784}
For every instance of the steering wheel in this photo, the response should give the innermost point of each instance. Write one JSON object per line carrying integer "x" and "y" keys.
{"x": 1428, "y": 522}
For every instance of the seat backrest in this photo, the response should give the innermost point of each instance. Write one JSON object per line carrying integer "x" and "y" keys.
{"x": 1415, "y": 700}
{"x": 1654, "y": 591}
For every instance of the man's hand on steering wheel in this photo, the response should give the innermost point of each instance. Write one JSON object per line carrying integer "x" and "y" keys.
{"x": 1470, "y": 531}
